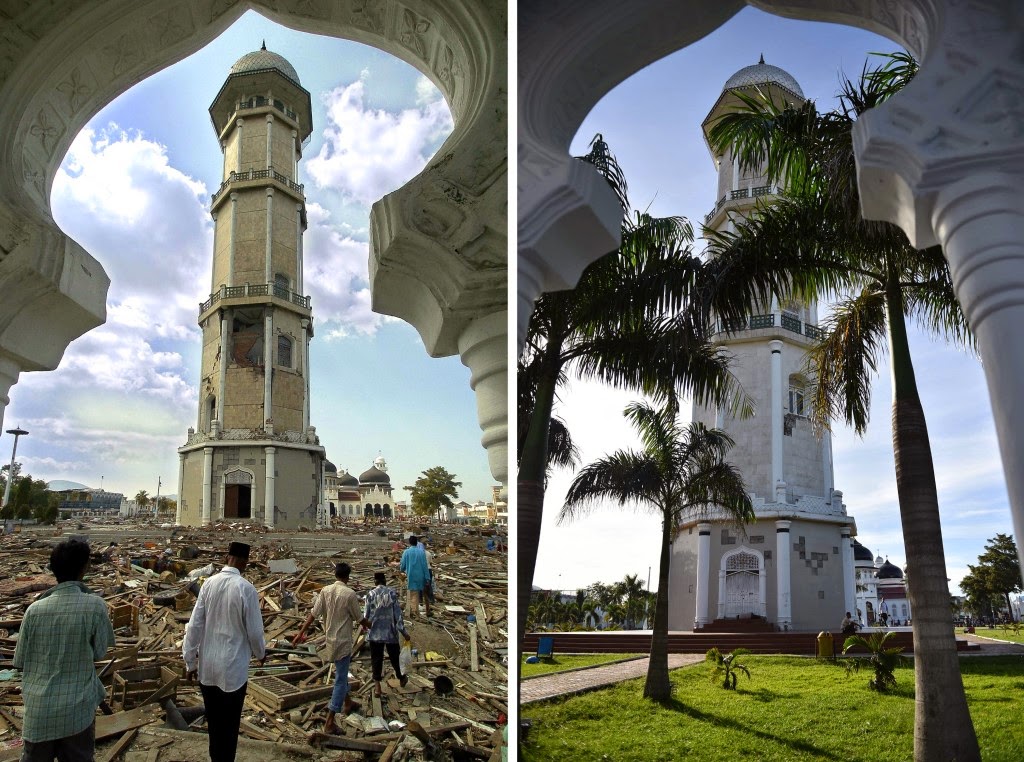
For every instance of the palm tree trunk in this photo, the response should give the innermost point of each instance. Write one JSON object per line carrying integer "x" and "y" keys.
{"x": 658, "y": 686}
{"x": 942, "y": 722}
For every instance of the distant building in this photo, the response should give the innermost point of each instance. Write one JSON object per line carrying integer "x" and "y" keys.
{"x": 370, "y": 495}
{"x": 75, "y": 503}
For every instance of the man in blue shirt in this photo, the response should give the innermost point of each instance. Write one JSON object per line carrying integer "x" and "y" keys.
{"x": 383, "y": 619}
{"x": 63, "y": 633}
{"x": 417, "y": 574}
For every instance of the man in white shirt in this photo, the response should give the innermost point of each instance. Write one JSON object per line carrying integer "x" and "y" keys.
{"x": 338, "y": 606}
{"x": 224, "y": 632}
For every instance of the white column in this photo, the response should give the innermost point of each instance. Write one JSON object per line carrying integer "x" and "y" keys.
{"x": 703, "y": 574}
{"x": 213, "y": 270}
{"x": 234, "y": 240}
{"x": 721, "y": 593}
{"x": 305, "y": 374}
{"x": 222, "y": 376}
{"x": 298, "y": 251}
{"x": 9, "y": 372}
{"x": 826, "y": 461}
{"x": 269, "y": 495}
{"x": 295, "y": 157}
{"x": 776, "y": 416}
{"x": 219, "y": 513}
{"x": 207, "y": 483}
{"x": 270, "y": 238}
{"x": 268, "y": 367}
{"x": 483, "y": 349}
{"x": 784, "y": 603}
{"x": 181, "y": 481}
{"x": 224, "y": 159}
{"x": 238, "y": 158}
{"x": 270, "y": 129}
{"x": 849, "y": 579}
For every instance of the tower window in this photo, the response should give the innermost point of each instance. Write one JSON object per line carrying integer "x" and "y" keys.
{"x": 284, "y": 351}
{"x": 282, "y": 286}
{"x": 797, "y": 392}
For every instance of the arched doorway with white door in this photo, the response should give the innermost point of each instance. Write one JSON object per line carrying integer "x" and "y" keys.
{"x": 742, "y": 584}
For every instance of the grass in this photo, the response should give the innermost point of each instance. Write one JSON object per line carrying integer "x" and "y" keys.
{"x": 998, "y": 633}
{"x": 791, "y": 709}
{"x": 563, "y": 662}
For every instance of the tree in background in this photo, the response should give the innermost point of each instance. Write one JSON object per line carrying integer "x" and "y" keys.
{"x": 167, "y": 505}
{"x": 995, "y": 577}
{"x": 142, "y": 500}
{"x": 433, "y": 491}
{"x": 29, "y": 497}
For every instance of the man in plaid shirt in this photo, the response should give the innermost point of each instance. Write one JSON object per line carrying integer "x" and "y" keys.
{"x": 63, "y": 633}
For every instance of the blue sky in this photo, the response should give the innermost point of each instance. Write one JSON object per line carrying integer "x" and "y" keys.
{"x": 134, "y": 190}
{"x": 652, "y": 124}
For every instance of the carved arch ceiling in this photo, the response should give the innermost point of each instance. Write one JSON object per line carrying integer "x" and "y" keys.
{"x": 61, "y": 62}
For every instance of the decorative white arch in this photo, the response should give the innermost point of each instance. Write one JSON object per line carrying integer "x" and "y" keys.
{"x": 237, "y": 475}
{"x": 438, "y": 244}
{"x": 738, "y": 592}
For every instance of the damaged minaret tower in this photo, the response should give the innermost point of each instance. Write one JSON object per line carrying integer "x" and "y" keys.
{"x": 254, "y": 455}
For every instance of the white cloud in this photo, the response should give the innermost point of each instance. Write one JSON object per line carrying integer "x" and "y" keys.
{"x": 367, "y": 152}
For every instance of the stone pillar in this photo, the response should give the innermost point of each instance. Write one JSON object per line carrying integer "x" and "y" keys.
{"x": 703, "y": 574}
{"x": 224, "y": 159}
{"x": 234, "y": 240}
{"x": 181, "y": 481}
{"x": 295, "y": 157}
{"x": 270, "y": 130}
{"x": 268, "y": 367}
{"x": 305, "y": 373}
{"x": 784, "y": 603}
{"x": 207, "y": 484}
{"x": 483, "y": 348}
{"x": 238, "y": 130}
{"x": 299, "y": 287}
{"x": 826, "y": 459}
{"x": 9, "y": 372}
{"x": 222, "y": 375}
{"x": 849, "y": 572}
{"x": 213, "y": 270}
{"x": 269, "y": 495}
{"x": 269, "y": 267}
{"x": 776, "y": 416}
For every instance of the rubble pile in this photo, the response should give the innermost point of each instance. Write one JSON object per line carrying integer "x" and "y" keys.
{"x": 454, "y": 705}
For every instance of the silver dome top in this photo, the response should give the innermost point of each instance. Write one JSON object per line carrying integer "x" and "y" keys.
{"x": 763, "y": 74}
{"x": 265, "y": 59}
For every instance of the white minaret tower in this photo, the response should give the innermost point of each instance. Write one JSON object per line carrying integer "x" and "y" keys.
{"x": 794, "y": 565}
{"x": 253, "y": 455}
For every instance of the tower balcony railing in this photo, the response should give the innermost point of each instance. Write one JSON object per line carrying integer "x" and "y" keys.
{"x": 740, "y": 193}
{"x": 256, "y": 174}
{"x": 254, "y": 289}
{"x": 788, "y": 322}
{"x": 258, "y": 102}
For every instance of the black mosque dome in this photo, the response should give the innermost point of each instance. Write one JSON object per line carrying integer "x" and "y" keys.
{"x": 329, "y": 467}
{"x": 763, "y": 74}
{"x": 348, "y": 480}
{"x": 374, "y": 475}
{"x": 860, "y": 553}
{"x": 889, "y": 571}
{"x": 262, "y": 59}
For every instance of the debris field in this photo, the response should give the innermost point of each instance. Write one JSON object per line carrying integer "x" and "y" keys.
{"x": 454, "y": 706}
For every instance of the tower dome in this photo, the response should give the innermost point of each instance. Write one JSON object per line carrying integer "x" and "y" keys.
{"x": 763, "y": 74}
{"x": 345, "y": 479}
{"x": 262, "y": 59}
{"x": 889, "y": 571}
{"x": 860, "y": 553}
{"x": 330, "y": 468}
{"x": 374, "y": 475}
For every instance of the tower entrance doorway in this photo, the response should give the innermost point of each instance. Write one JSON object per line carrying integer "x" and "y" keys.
{"x": 237, "y": 501}
{"x": 742, "y": 585}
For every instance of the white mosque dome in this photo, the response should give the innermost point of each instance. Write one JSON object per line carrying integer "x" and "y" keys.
{"x": 265, "y": 59}
{"x": 763, "y": 74}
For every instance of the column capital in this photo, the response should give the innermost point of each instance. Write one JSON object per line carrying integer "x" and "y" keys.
{"x": 775, "y": 345}
{"x": 704, "y": 527}
{"x": 845, "y": 532}
{"x": 270, "y": 119}
{"x": 270, "y": 450}
{"x": 207, "y": 451}
{"x": 239, "y": 123}
{"x": 783, "y": 525}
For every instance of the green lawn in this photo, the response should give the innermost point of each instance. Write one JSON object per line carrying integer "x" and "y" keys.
{"x": 562, "y": 662}
{"x": 998, "y": 633}
{"x": 791, "y": 709}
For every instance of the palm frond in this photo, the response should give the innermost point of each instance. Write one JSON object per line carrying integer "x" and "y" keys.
{"x": 623, "y": 477}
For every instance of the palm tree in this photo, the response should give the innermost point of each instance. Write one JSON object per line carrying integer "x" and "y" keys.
{"x": 678, "y": 471}
{"x": 813, "y": 242}
{"x": 142, "y": 499}
{"x": 624, "y": 324}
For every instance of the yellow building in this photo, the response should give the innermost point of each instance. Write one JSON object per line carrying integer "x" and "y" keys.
{"x": 253, "y": 454}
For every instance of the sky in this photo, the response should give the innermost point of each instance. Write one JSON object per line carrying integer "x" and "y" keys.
{"x": 134, "y": 190}
{"x": 652, "y": 125}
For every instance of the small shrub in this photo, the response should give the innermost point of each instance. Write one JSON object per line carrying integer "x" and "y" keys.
{"x": 883, "y": 660}
{"x": 727, "y": 666}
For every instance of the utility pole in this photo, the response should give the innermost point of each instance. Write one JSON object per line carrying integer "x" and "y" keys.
{"x": 10, "y": 474}
{"x": 156, "y": 503}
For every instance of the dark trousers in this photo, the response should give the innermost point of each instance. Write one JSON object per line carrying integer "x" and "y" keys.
{"x": 377, "y": 658}
{"x": 223, "y": 717}
{"x": 77, "y": 748}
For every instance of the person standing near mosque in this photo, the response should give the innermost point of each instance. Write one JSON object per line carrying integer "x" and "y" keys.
{"x": 417, "y": 573}
{"x": 383, "y": 619}
{"x": 61, "y": 636}
{"x": 338, "y": 606}
{"x": 223, "y": 634}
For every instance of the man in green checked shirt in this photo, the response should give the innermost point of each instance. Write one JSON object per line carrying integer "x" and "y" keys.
{"x": 63, "y": 633}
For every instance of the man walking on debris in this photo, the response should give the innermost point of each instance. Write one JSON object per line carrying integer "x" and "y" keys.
{"x": 62, "y": 634}
{"x": 338, "y": 606}
{"x": 383, "y": 618}
{"x": 224, "y": 632}
{"x": 417, "y": 573}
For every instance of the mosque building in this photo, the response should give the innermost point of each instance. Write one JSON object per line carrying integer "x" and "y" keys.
{"x": 793, "y": 567}
{"x": 368, "y": 496}
{"x": 881, "y": 587}
{"x": 253, "y": 455}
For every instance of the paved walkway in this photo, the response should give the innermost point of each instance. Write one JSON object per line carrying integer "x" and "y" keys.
{"x": 580, "y": 680}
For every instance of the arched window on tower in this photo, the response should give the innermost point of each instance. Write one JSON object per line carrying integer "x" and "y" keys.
{"x": 211, "y": 412}
{"x": 284, "y": 351}
{"x": 798, "y": 405}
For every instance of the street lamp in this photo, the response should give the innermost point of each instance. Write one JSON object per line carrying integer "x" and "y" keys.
{"x": 10, "y": 474}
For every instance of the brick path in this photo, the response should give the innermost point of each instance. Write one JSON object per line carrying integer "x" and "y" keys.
{"x": 580, "y": 680}
{"x": 990, "y": 645}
